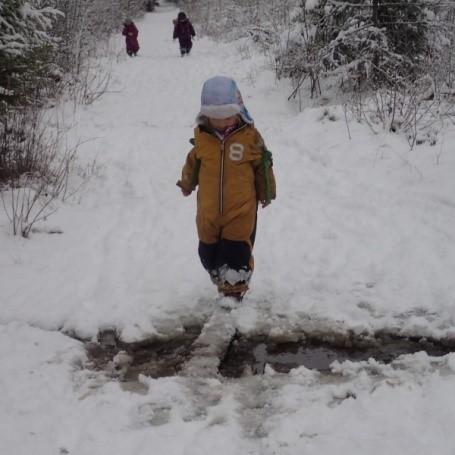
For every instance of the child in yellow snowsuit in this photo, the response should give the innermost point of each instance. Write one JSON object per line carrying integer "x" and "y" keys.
{"x": 233, "y": 169}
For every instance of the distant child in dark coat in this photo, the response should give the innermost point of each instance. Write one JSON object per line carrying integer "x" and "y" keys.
{"x": 184, "y": 31}
{"x": 131, "y": 32}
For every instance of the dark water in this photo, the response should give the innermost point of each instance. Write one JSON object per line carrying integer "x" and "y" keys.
{"x": 252, "y": 355}
{"x": 160, "y": 358}
{"x": 153, "y": 358}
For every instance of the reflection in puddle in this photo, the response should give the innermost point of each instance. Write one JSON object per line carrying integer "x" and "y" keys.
{"x": 252, "y": 355}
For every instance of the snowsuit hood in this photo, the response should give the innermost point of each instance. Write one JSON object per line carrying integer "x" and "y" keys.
{"x": 221, "y": 98}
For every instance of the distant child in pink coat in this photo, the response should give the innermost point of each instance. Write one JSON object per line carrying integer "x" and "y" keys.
{"x": 131, "y": 32}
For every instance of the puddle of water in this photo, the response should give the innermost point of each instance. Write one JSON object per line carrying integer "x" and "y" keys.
{"x": 161, "y": 358}
{"x": 153, "y": 358}
{"x": 250, "y": 356}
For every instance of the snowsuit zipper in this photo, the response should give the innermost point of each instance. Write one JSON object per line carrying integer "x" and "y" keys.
{"x": 222, "y": 150}
{"x": 221, "y": 176}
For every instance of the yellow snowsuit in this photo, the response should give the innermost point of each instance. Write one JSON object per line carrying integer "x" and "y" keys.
{"x": 233, "y": 174}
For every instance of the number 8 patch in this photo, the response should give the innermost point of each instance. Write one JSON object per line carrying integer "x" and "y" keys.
{"x": 236, "y": 152}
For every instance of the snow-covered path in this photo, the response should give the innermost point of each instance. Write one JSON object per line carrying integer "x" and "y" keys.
{"x": 360, "y": 239}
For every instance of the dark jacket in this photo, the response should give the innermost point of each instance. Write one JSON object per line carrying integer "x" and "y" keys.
{"x": 184, "y": 31}
{"x": 130, "y": 32}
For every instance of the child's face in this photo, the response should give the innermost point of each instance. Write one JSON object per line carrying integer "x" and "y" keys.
{"x": 224, "y": 123}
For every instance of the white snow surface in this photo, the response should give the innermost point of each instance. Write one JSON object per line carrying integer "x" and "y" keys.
{"x": 361, "y": 238}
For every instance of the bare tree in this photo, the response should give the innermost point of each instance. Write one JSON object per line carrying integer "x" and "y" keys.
{"x": 34, "y": 169}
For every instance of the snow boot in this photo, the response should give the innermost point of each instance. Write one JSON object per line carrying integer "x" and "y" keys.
{"x": 237, "y": 291}
{"x": 214, "y": 277}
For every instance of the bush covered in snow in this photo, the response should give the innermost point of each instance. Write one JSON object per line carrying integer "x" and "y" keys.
{"x": 27, "y": 50}
{"x": 362, "y": 42}
{"x": 34, "y": 171}
{"x": 262, "y": 21}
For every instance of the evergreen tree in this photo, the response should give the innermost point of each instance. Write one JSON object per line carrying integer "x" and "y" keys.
{"x": 364, "y": 40}
{"x": 26, "y": 50}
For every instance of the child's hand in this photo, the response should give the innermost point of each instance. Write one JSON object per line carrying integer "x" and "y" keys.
{"x": 185, "y": 192}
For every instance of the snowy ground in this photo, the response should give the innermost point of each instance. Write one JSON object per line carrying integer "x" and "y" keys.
{"x": 360, "y": 239}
